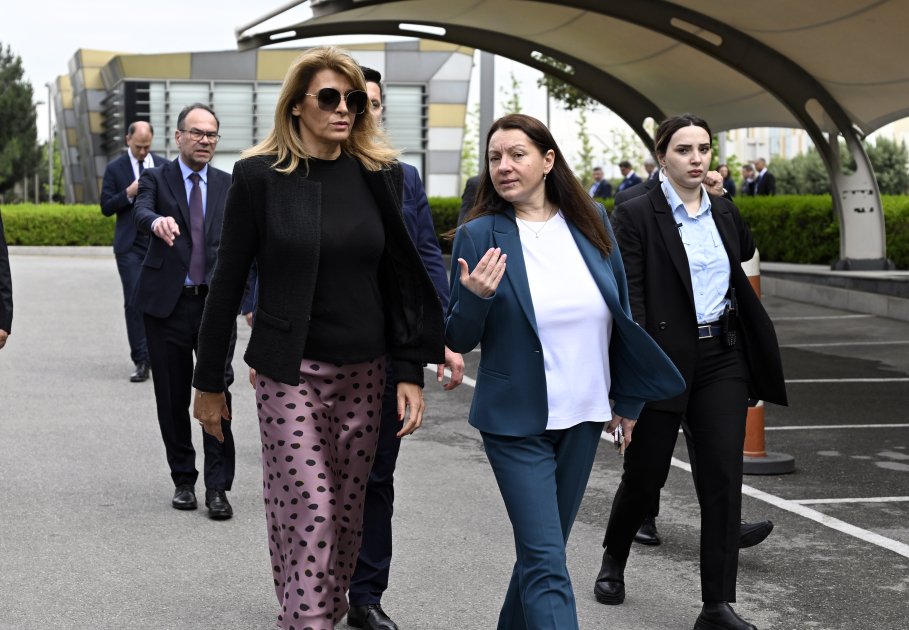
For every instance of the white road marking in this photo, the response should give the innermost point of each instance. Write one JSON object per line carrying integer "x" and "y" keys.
{"x": 803, "y": 381}
{"x": 784, "y": 504}
{"x": 854, "y": 500}
{"x": 792, "y": 318}
{"x": 844, "y": 343}
{"x": 819, "y": 517}
{"x": 826, "y": 427}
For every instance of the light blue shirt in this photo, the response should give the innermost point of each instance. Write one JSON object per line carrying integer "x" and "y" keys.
{"x": 707, "y": 258}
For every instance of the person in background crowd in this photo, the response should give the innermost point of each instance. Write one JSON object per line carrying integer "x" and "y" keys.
{"x": 558, "y": 343}
{"x": 601, "y": 188}
{"x": 748, "y": 180}
{"x": 630, "y": 177}
{"x": 728, "y": 182}
{"x": 317, "y": 205}
{"x": 764, "y": 181}
{"x": 650, "y": 166}
{"x": 704, "y": 320}
{"x": 119, "y": 189}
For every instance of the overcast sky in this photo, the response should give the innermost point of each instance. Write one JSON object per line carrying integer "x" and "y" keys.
{"x": 47, "y": 34}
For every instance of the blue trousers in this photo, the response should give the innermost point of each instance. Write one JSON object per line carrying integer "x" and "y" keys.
{"x": 542, "y": 479}
{"x": 370, "y": 578}
{"x": 129, "y": 264}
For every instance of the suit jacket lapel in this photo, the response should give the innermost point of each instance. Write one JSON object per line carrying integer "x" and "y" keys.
{"x": 505, "y": 234}
{"x": 174, "y": 178}
{"x": 670, "y": 233}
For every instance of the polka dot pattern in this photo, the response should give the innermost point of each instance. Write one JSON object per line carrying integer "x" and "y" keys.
{"x": 318, "y": 443}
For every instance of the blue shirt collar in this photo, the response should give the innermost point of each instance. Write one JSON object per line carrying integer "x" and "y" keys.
{"x": 675, "y": 202}
{"x": 187, "y": 171}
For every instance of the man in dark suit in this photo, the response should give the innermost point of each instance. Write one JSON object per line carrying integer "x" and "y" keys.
{"x": 118, "y": 194}
{"x": 630, "y": 177}
{"x": 601, "y": 188}
{"x": 764, "y": 181}
{"x": 6, "y": 290}
{"x": 181, "y": 205}
{"x": 748, "y": 176}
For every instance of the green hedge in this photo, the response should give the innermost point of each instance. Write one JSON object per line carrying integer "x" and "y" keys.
{"x": 796, "y": 228}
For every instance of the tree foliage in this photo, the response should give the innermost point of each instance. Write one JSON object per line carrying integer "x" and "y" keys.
{"x": 512, "y": 102}
{"x": 583, "y": 168}
{"x": 891, "y": 165}
{"x": 470, "y": 151}
{"x": 569, "y": 96}
{"x": 18, "y": 131}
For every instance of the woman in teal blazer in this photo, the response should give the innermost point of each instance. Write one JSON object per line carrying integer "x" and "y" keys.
{"x": 558, "y": 346}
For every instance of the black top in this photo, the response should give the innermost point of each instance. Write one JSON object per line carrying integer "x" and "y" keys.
{"x": 347, "y": 323}
{"x": 6, "y": 286}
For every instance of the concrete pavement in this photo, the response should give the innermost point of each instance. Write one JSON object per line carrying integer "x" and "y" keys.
{"x": 88, "y": 539}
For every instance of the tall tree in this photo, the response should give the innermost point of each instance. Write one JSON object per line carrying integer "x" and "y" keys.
{"x": 890, "y": 161}
{"x": 583, "y": 168}
{"x": 18, "y": 131}
{"x": 470, "y": 145}
{"x": 512, "y": 102}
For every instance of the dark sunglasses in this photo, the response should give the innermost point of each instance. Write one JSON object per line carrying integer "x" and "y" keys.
{"x": 329, "y": 98}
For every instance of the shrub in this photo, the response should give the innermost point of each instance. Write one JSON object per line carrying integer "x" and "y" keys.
{"x": 46, "y": 224}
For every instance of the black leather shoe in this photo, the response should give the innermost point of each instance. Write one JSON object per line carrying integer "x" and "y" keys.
{"x": 141, "y": 373}
{"x": 610, "y": 586}
{"x": 751, "y": 534}
{"x": 218, "y": 506}
{"x": 184, "y": 497}
{"x": 720, "y": 616}
{"x": 647, "y": 533}
{"x": 371, "y": 617}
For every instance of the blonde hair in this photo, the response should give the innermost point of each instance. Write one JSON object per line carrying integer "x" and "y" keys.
{"x": 366, "y": 142}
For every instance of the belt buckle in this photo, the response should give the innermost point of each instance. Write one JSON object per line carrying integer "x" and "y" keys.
{"x": 704, "y": 331}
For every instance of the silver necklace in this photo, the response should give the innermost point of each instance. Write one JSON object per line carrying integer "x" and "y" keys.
{"x": 536, "y": 233}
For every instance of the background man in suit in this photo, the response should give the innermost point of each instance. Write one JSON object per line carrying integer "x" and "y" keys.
{"x": 370, "y": 578}
{"x": 182, "y": 205}
{"x": 748, "y": 180}
{"x": 764, "y": 182}
{"x": 6, "y": 290}
{"x": 601, "y": 188}
{"x": 628, "y": 173}
{"x": 118, "y": 193}
{"x": 650, "y": 167}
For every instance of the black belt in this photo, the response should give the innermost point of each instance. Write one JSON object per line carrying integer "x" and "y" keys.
{"x": 195, "y": 289}
{"x": 713, "y": 329}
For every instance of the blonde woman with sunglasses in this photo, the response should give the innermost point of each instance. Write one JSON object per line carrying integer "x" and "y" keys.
{"x": 317, "y": 205}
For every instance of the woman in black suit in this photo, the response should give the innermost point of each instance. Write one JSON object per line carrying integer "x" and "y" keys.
{"x": 317, "y": 205}
{"x": 683, "y": 250}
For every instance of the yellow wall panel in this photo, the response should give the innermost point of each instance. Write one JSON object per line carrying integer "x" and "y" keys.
{"x": 446, "y": 115}
{"x": 435, "y": 45}
{"x": 375, "y": 46}
{"x": 91, "y": 79}
{"x": 96, "y": 122}
{"x": 71, "y": 137}
{"x": 272, "y": 65}
{"x": 165, "y": 66}
{"x": 95, "y": 58}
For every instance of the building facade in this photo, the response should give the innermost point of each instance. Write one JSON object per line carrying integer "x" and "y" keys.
{"x": 426, "y": 90}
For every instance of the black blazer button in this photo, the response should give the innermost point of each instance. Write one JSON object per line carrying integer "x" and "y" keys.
{"x": 662, "y": 325}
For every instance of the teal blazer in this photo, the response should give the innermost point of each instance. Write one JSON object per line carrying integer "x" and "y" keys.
{"x": 510, "y": 396}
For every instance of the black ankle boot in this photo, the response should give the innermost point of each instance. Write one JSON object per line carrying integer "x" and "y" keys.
{"x": 610, "y": 585}
{"x": 720, "y": 616}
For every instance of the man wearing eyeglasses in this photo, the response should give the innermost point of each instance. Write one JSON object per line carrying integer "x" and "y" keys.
{"x": 181, "y": 205}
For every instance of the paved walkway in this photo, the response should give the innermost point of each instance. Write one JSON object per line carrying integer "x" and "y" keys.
{"x": 88, "y": 540}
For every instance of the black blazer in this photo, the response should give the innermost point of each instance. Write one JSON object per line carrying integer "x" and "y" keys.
{"x": 765, "y": 185}
{"x": 275, "y": 219}
{"x": 603, "y": 190}
{"x": 638, "y": 189}
{"x": 117, "y": 177}
{"x": 162, "y": 193}
{"x": 659, "y": 287}
{"x": 6, "y": 285}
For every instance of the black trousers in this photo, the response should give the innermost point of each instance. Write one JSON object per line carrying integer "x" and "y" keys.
{"x": 171, "y": 343}
{"x": 129, "y": 265}
{"x": 714, "y": 426}
{"x": 370, "y": 578}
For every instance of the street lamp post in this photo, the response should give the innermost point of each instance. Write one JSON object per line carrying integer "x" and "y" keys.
{"x": 37, "y": 186}
{"x": 50, "y": 144}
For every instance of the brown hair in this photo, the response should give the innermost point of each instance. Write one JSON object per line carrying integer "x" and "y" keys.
{"x": 366, "y": 141}
{"x": 561, "y": 188}
{"x": 672, "y": 124}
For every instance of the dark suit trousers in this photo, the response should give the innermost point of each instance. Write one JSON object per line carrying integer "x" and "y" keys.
{"x": 129, "y": 264}
{"x": 542, "y": 479}
{"x": 370, "y": 579}
{"x": 714, "y": 425}
{"x": 171, "y": 343}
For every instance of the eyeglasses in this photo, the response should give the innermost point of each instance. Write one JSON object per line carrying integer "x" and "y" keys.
{"x": 198, "y": 134}
{"x": 330, "y": 98}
